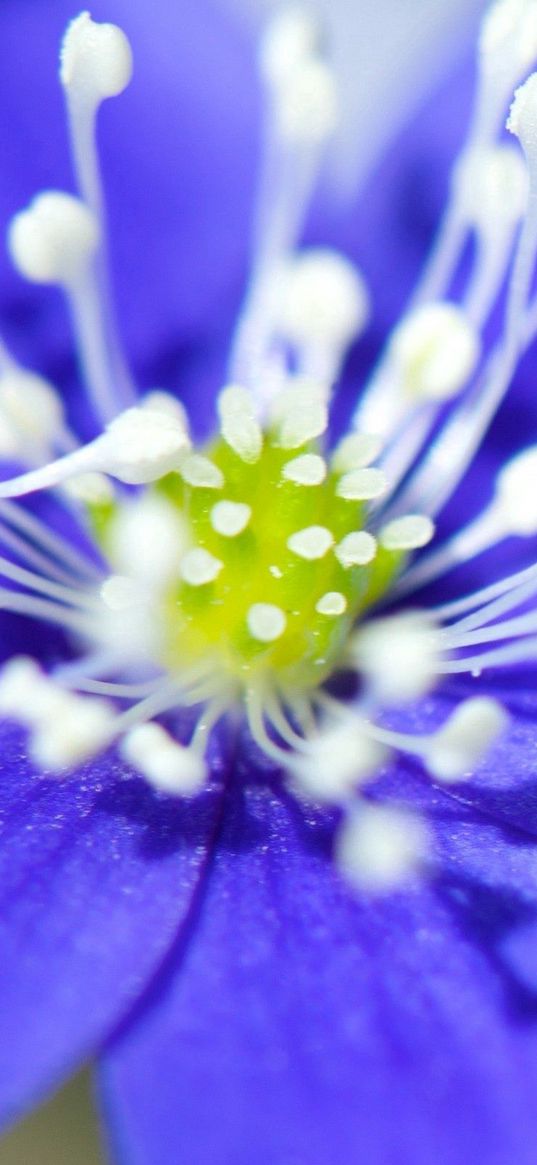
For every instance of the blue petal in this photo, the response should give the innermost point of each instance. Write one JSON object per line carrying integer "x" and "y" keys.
{"x": 304, "y": 1026}
{"x": 96, "y": 876}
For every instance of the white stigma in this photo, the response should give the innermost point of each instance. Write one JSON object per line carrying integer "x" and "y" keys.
{"x": 230, "y": 518}
{"x": 408, "y": 533}
{"x": 361, "y": 485}
{"x": 53, "y": 240}
{"x": 166, "y": 764}
{"x": 238, "y": 424}
{"x": 199, "y": 567}
{"x": 398, "y": 656}
{"x": 332, "y": 604}
{"x": 324, "y": 299}
{"x": 95, "y": 60}
{"x": 378, "y": 847}
{"x": 357, "y": 549}
{"x": 311, "y": 543}
{"x": 266, "y": 622}
{"x": 434, "y": 351}
{"x": 457, "y": 748}
{"x": 308, "y": 469}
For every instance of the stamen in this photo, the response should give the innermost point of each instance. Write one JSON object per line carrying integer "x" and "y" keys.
{"x": 398, "y": 656}
{"x": 169, "y": 766}
{"x": 300, "y": 414}
{"x": 378, "y": 847}
{"x": 457, "y": 748}
{"x": 335, "y": 761}
{"x": 238, "y": 425}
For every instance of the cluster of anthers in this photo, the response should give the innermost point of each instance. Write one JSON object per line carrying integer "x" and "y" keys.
{"x": 237, "y": 576}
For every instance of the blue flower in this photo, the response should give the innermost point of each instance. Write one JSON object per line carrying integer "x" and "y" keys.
{"x": 226, "y": 949}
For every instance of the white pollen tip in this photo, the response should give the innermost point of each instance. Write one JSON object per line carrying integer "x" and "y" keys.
{"x": 323, "y": 300}
{"x": 230, "y": 518}
{"x": 53, "y": 240}
{"x": 464, "y": 740}
{"x": 516, "y": 493}
{"x": 336, "y": 761}
{"x": 199, "y": 567}
{"x": 266, "y": 622}
{"x": 398, "y": 656}
{"x": 492, "y": 186}
{"x": 300, "y": 413}
{"x": 167, "y": 765}
{"x": 362, "y": 485}
{"x": 239, "y": 426}
{"x": 522, "y": 120}
{"x": 311, "y": 543}
{"x": 290, "y": 37}
{"x": 30, "y": 408}
{"x": 508, "y": 39}
{"x": 356, "y": 451}
{"x": 120, "y": 593}
{"x": 378, "y": 847}
{"x": 356, "y": 549}
{"x": 308, "y": 469}
{"x": 201, "y": 473}
{"x": 434, "y": 351}
{"x": 408, "y": 533}
{"x": 95, "y": 60}
{"x": 332, "y": 604}
{"x": 79, "y": 729}
{"x": 146, "y": 539}
{"x": 142, "y": 445}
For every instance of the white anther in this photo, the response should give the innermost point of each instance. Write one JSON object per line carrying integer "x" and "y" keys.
{"x": 201, "y": 473}
{"x": 516, "y": 493}
{"x": 361, "y": 485}
{"x": 355, "y": 451}
{"x": 324, "y": 299}
{"x": 522, "y": 120}
{"x": 291, "y": 37}
{"x": 332, "y": 604}
{"x": 434, "y": 351}
{"x": 163, "y": 402}
{"x": 91, "y": 488}
{"x": 79, "y": 729}
{"x": 199, "y": 567}
{"x": 408, "y": 533}
{"x": 336, "y": 761}
{"x": 300, "y": 413}
{"x": 120, "y": 593}
{"x": 492, "y": 186}
{"x": 508, "y": 40}
{"x": 239, "y": 427}
{"x": 311, "y": 543}
{"x": 20, "y": 680}
{"x": 307, "y": 106}
{"x": 53, "y": 240}
{"x": 166, "y": 764}
{"x": 146, "y": 539}
{"x": 266, "y": 622}
{"x": 140, "y": 446}
{"x": 95, "y": 60}
{"x": 230, "y": 518}
{"x": 308, "y": 469}
{"x": 31, "y": 411}
{"x": 458, "y": 747}
{"x": 378, "y": 847}
{"x": 356, "y": 549}
{"x": 398, "y": 656}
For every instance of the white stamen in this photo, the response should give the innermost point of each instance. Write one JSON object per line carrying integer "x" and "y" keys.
{"x": 166, "y": 764}
{"x": 199, "y": 567}
{"x": 362, "y": 485}
{"x": 300, "y": 414}
{"x": 458, "y": 747}
{"x": 492, "y": 186}
{"x": 201, "y": 473}
{"x": 434, "y": 352}
{"x": 307, "y": 103}
{"x": 516, "y": 493}
{"x": 120, "y": 593}
{"x": 355, "y": 451}
{"x": 230, "y": 518}
{"x": 508, "y": 40}
{"x": 91, "y": 488}
{"x": 239, "y": 427}
{"x": 31, "y": 414}
{"x": 331, "y": 604}
{"x": 95, "y": 60}
{"x": 266, "y": 622}
{"x": 378, "y": 847}
{"x": 398, "y": 656}
{"x": 323, "y": 306}
{"x": 408, "y": 533}
{"x": 356, "y": 549}
{"x": 146, "y": 540}
{"x": 80, "y": 728}
{"x": 292, "y": 36}
{"x": 54, "y": 239}
{"x": 308, "y": 469}
{"x": 335, "y": 761}
{"x": 163, "y": 402}
{"x": 311, "y": 543}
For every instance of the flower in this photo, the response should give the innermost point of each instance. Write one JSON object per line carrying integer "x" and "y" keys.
{"x": 228, "y": 577}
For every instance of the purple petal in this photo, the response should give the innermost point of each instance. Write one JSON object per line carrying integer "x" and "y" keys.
{"x": 305, "y": 1026}
{"x": 96, "y": 877}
